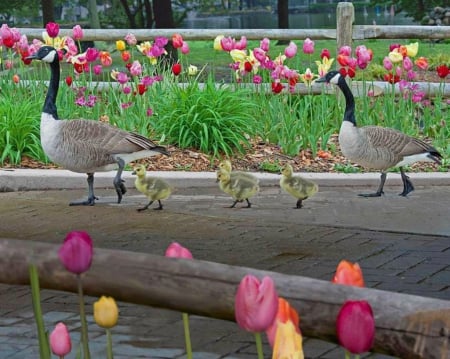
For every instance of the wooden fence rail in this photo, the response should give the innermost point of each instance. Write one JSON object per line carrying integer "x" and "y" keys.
{"x": 407, "y": 326}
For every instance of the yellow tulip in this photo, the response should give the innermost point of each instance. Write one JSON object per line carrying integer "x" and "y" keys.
{"x": 120, "y": 45}
{"x": 192, "y": 70}
{"x": 412, "y": 49}
{"x": 217, "y": 44}
{"x": 395, "y": 56}
{"x": 288, "y": 342}
{"x": 106, "y": 312}
{"x": 238, "y": 55}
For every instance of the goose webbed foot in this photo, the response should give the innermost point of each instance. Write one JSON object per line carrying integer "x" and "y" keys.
{"x": 145, "y": 207}
{"x": 91, "y": 197}
{"x": 299, "y": 204}
{"x": 379, "y": 191}
{"x": 407, "y": 184}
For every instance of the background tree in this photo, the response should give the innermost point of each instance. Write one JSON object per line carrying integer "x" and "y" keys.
{"x": 48, "y": 12}
{"x": 416, "y": 9}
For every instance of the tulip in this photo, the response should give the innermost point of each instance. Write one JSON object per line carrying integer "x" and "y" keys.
{"x": 227, "y": 43}
{"x": 387, "y": 63}
{"x": 412, "y": 49}
{"x": 141, "y": 89}
{"x": 308, "y": 46}
{"x": 395, "y": 56}
{"x": 442, "y": 71}
{"x": 265, "y": 44}
{"x": 97, "y": 69}
{"x": 130, "y": 39}
{"x": 16, "y": 78}
{"x": 407, "y": 63}
{"x": 284, "y": 313}
{"x": 149, "y": 112}
{"x": 241, "y": 44}
{"x": 277, "y": 87}
{"x": 106, "y": 312}
{"x": 325, "y": 53}
{"x": 136, "y": 68}
{"x": 52, "y": 29}
{"x": 291, "y": 50}
{"x": 185, "y": 48}
{"x": 218, "y": 42}
{"x": 120, "y": 45}
{"x": 76, "y": 252}
{"x": 355, "y": 326}
{"x": 345, "y": 50}
{"x": 421, "y": 63}
{"x": 69, "y": 80}
{"x": 288, "y": 342}
{"x": 60, "y": 342}
{"x": 393, "y": 46}
{"x": 177, "y": 41}
{"x": 348, "y": 273}
{"x": 176, "y": 69}
{"x": 176, "y": 250}
{"x": 256, "y": 303}
{"x": 92, "y": 54}
{"x": 77, "y": 32}
{"x": 192, "y": 70}
{"x": 105, "y": 58}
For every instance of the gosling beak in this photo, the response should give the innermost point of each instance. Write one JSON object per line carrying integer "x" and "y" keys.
{"x": 133, "y": 173}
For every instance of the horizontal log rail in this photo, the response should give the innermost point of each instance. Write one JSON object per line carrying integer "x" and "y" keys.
{"x": 360, "y": 32}
{"x": 407, "y": 326}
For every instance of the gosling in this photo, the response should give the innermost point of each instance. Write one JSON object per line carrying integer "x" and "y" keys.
{"x": 239, "y": 187}
{"x": 154, "y": 188}
{"x": 297, "y": 186}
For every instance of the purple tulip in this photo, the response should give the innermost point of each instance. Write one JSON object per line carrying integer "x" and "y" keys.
{"x": 175, "y": 250}
{"x": 355, "y": 326}
{"x": 256, "y": 303}
{"x": 76, "y": 252}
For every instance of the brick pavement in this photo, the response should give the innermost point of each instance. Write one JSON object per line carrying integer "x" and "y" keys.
{"x": 384, "y": 235}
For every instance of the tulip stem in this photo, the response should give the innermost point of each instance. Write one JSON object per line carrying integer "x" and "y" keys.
{"x": 109, "y": 352}
{"x": 187, "y": 335}
{"x": 259, "y": 348}
{"x": 347, "y": 354}
{"x": 84, "y": 330}
{"x": 44, "y": 348}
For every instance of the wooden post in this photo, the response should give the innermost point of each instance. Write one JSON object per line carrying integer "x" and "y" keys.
{"x": 345, "y": 16}
{"x": 407, "y": 326}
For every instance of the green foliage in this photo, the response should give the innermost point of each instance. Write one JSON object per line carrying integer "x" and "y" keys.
{"x": 416, "y": 9}
{"x": 19, "y": 125}
{"x": 215, "y": 119}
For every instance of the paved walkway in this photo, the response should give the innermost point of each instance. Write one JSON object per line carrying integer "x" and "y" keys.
{"x": 402, "y": 244}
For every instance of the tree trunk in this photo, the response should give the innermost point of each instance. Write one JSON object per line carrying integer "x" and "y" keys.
{"x": 407, "y": 326}
{"x": 48, "y": 14}
{"x": 130, "y": 16}
{"x": 94, "y": 20}
{"x": 283, "y": 18}
{"x": 162, "y": 10}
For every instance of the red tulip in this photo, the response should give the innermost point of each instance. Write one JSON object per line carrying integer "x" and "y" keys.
{"x": 52, "y": 29}
{"x": 355, "y": 326}
{"x": 277, "y": 87}
{"x": 69, "y": 80}
{"x": 442, "y": 71}
{"x": 60, "y": 342}
{"x": 76, "y": 252}
{"x": 176, "y": 69}
{"x": 125, "y": 56}
{"x": 141, "y": 89}
{"x": 175, "y": 250}
{"x": 177, "y": 41}
{"x": 348, "y": 273}
{"x": 256, "y": 303}
{"x": 325, "y": 53}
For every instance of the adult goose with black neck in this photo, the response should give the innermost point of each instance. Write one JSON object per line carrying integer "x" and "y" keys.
{"x": 87, "y": 146}
{"x": 376, "y": 147}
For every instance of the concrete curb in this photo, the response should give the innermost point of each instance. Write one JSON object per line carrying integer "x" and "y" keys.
{"x": 31, "y": 179}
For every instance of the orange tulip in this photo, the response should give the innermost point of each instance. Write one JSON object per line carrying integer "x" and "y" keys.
{"x": 348, "y": 273}
{"x": 422, "y": 63}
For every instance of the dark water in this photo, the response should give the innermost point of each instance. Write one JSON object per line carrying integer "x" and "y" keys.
{"x": 265, "y": 20}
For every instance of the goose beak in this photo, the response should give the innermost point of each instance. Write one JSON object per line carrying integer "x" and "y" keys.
{"x": 322, "y": 79}
{"x": 31, "y": 57}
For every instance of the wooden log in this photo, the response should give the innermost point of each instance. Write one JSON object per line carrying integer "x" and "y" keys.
{"x": 407, "y": 326}
{"x": 345, "y": 16}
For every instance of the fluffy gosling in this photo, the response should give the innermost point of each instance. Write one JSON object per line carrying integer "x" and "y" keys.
{"x": 154, "y": 188}
{"x": 297, "y": 186}
{"x": 239, "y": 187}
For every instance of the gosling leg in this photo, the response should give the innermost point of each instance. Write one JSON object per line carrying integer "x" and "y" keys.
{"x": 407, "y": 184}
{"x": 248, "y": 203}
{"x": 91, "y": 197}
{"x": 234, "y": 204}
{"x": 160, "y": 207}
{"x": 118, "y": 181}
{"x": 299, "y": 203}
{"x": 145, "y": 207}
{"x": 379, "y": 191}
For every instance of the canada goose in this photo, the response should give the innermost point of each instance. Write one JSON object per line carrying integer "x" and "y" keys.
{"x": 378, "y": 147}
{"x": 239, "y": 187}
{"x": 297, "y": 186}
{"x": 154, "y": 188}
{"x": 225, "y": 165}
{"x": 87, "y": 146}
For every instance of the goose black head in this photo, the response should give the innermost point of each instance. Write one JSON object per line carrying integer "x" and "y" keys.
{"x": 46, "y": 54}
{"x": 332, "y": 77}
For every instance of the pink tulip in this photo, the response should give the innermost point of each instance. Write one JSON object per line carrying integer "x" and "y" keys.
{"x": 241, "y": 44}
{"x": 52, "y": 29}
{"x": 407, "y": 63}
{"x": 227, "y": 44}
{"x": 308, "y": 46}
{"x": 185, "y": 48}
{"x": 175, "y": 250}
{"x": 77, "y": 32}
{"x": 92, "y": 54}
{"x": 131, "y": 39}
{"x": 60, "y": 342}
{"x": 291, "y": 50}
{"x": 256, "y": 303}
{"x": 177, "y": 41}
{"x": 355, "y": 326}
{"x": 76, "y": 252}
{"x": 345, "y": 50}
{"x": 265, "y": 44}
{"x": 98, "y": 69}
{"x": 136, "y": 68}
{"x": 387, "y": 63}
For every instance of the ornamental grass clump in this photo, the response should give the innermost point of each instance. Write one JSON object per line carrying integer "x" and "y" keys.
{"x": 215, "y": 119}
